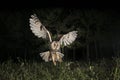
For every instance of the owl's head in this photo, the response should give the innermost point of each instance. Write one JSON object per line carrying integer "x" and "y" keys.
{"x": 55, "y": 45}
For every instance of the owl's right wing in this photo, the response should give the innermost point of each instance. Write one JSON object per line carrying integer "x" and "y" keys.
{"x": 68, "y": 38}
{"x": 38, "y": 28}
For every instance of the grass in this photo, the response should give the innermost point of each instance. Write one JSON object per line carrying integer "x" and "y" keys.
{"x": 25, "y": 70}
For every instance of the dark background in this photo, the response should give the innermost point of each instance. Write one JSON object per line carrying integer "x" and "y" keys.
{"x": 98, "y": 28}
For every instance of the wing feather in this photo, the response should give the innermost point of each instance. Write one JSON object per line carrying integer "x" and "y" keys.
{"x": 38, "y": 29}
{"x": 68, "y": 38}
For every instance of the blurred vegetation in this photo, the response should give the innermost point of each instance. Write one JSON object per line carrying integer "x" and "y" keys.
{"x": 96, "y": 70}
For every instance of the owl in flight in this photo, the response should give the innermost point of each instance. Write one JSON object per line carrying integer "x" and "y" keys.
{"x": 54, "y": 54}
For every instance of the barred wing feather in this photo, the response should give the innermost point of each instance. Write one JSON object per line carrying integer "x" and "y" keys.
{"x": 68, "y": 38}
{"x": 38, "y": 29}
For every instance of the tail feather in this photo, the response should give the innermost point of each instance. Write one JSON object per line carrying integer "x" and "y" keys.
{"x": 48, "y": 56}
{"x": 59, "y": 56}
{"x": 45, "y": 56}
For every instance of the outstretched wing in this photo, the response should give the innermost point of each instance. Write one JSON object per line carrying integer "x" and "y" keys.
{"x": 68, "y": 38}
{"x": 38, "y": 29}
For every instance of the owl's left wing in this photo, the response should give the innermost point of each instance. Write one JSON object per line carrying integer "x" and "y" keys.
{"x": 38, "y": 28}
{"x": 68, "y": 38}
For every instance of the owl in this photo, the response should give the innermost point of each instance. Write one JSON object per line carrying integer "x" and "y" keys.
{"x": 54, "y": 54}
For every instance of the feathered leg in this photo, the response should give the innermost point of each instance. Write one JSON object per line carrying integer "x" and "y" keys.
{"x": 54, "y": 58}
{"x": 57, "y": 56}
